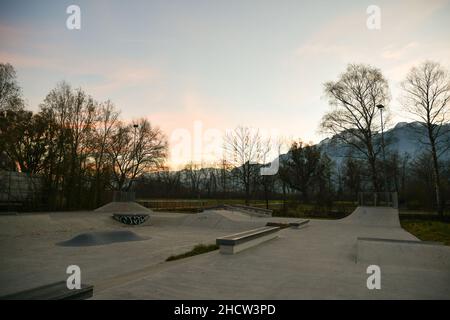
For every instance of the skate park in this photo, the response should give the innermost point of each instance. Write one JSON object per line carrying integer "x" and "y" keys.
{"x": 316, "y": 259}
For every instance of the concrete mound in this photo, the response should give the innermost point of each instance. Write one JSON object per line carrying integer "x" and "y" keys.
{"x": 101, "y": 238}
{"x": 221, "y": 219}
{"x": 123, "y": 207}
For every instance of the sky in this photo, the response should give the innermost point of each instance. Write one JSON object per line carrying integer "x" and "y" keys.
{"x": 198, "y": 68}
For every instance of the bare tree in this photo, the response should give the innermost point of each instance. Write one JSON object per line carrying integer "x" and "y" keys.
{"x": 354, "y": 119}
{"x": 11, "y": 103}
{"x": 195, "y": 175}
{"x": 426, "y": 97}
{"x": 10, "y": 92}
{"x": 300, "y": 169}
{"x": 243, "y": 150}
{"x": 106, "y": 119}
{"x": 210, "y": 183}
{"x": 267, "y": 181}
{"x": 136, "y": 152}
{"x": 224, "y": 174}
{"x": 169, "y": 180}
{"x": 64, "y": 109}
{"x": 81, "y": 122}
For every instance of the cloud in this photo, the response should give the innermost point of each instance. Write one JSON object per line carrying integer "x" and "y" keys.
{"x": 24, "y": 60}
{"x": 194, "y": 126}
{"x": 125, "y": 76}
{"x": 398, "y": 52}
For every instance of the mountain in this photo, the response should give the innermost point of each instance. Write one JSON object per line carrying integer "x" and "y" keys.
{"x": 404, "y": 138}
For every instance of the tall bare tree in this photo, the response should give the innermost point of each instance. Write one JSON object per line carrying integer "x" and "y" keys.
{"x": 10, "y": 100}
{"x": 195, "y": 175}
{"x": 354, "y": 118}
{"x": 267, "y": 181}
{"x": 243, "y": 149}
{"x": 301, "y": 168}
{"x": 426, "y": 97}
{"x": 224, "y": 174}
{"x": 106, "y": 119}
{"x": 134, "y": 152}
{"x": 10, "y": 92}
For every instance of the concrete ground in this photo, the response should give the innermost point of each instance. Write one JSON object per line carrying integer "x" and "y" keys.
{"x": 319, "y": 261}
{"x": 31, "y": 258}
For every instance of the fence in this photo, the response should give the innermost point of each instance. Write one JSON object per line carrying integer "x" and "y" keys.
{"x": 123, "y": 196}
{"x": 19, "y": 190}
{"x": 173, "y": 204}
{"x": 378, "y": 199}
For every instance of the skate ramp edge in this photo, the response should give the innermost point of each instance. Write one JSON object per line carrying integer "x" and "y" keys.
{"x": 407, "y": 253}
{"x": 373, "y": 217}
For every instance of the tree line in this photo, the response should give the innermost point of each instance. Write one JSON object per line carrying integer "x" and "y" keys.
{"x": 82, "y": 149}
{"x": 78, "y": 146}
{"x": 361, "y": 94}
{"x": 357, "y": 99}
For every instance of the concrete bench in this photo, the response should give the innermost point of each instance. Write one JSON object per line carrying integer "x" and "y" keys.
{"x": 54, "y": 291}
{"x": 240, "y": 241}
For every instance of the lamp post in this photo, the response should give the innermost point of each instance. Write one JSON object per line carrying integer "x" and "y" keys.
{"x": 386, "y": 187}
{"x": 135, "y": 126}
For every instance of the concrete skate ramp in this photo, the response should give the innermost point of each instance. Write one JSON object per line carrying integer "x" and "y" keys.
{"x": 101, "y": 238}
{"x": 221, "y": 219}
{"x": 373, "y": 217}
{"x": 59, "y": 222}
{"x": 123, "y": 207}
{"x": 417, "y": 254}
{"x": 209, "y": 219}
{"x": 228, "y": 220}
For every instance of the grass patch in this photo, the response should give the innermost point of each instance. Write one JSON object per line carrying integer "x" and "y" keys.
{"x": 198, "y": 249}
{"x": 428, "y": 230}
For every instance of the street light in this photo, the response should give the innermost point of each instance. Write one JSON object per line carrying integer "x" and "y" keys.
{"x": 381, "y": 108}
{"x": 135, "y": 126}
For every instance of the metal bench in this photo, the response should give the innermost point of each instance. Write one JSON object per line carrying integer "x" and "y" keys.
{"x": 54, "y": 291}
{"x": 240, "y": 241}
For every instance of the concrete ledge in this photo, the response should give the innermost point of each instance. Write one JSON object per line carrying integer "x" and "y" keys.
{"x": 240, "y": 241}
{"x": 408, "y": 253}
{"x": 298, "y": 224}
{"x": 282, "y": 225}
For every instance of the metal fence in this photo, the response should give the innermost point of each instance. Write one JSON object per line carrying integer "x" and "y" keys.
{"x": 19, "y": 190}
{"x": 123, "y": 196}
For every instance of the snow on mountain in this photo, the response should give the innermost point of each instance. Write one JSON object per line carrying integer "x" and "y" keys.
{"x": 404, "y": 138}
